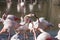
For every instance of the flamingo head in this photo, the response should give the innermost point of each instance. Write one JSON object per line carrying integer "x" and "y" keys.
{"x": 0, "y": 20}
{"x": 59, "y": 25}
{"x": 48, "y": 24}
{"x": 41, "y": 19}
{"x": 4, "y": 16}
{"x": 12, "y": 17}
{"x": 28, "y": 19}
{"x": 22, "y": 3}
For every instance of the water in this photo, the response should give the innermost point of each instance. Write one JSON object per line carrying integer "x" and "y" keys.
{"x": 52, "y": 32}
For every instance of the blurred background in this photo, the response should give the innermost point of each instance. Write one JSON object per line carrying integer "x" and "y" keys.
{"x": 50, "y": 9}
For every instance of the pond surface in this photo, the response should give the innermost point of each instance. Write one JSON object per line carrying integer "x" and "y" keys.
{"x": 52, "y": 32}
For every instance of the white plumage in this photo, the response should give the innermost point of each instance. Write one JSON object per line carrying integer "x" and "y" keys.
{"x": 1, "y": 20}
{"x": 22, "y": 4}
{"x": 31, "y": 7}
{"x": 58, "y": 35}
{"x": 44, "y": 36}
{"x": 39, "y": 6}
{"x": 18, "y": 7}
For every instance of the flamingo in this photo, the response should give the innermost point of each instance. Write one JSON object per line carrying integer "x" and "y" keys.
{"x": 1, "y": 20}
{"x": 8, "y": 4}
{"x": 24, "y": 26}
{"x": 3, "y": 17}
{"x": 35, "y": 25}
{"x": 7, "y": 9}
{"x": 58, "y": 34}
{"x": 31, "y": 6}
{"x": 40, "y": 23}
{"x": 39, "y": 5}
{"x": 17, "y": 36}
{"x": 21, "y": 6}
{"x": 28, "y": 25}
{"x": 44, "y": 36}
{"x": 9, "y": 23}
{"x": 18, "y": 7}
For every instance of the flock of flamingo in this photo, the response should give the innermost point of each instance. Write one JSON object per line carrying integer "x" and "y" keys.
{"x": 26, "y": 24}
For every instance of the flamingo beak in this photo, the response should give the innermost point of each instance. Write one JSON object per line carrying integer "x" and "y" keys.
{"x": 51, "y": 25}
{"x": 16, "y": 19}
{"x": 49, "y": 39}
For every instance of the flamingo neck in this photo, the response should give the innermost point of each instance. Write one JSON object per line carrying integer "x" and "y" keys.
{"x": 41, "y": 30}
